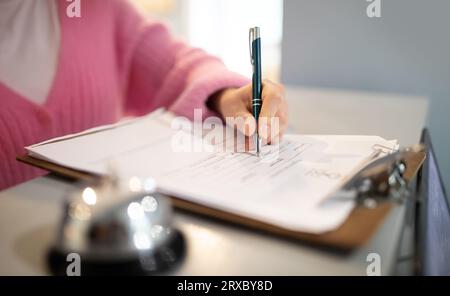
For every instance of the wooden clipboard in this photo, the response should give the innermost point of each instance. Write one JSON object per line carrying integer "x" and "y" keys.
{"x": 354, "y": 232}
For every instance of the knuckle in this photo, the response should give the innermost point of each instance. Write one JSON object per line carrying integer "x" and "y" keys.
{"x": 277, "y": 97}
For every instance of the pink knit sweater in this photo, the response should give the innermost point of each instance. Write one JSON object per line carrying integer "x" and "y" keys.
{"x": 112, "y": 62}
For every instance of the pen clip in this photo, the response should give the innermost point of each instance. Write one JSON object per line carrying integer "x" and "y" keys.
{"x": 251, "y": 36}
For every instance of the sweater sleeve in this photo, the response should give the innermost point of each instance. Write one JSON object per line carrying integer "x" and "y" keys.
{"x": 160, "y": 71}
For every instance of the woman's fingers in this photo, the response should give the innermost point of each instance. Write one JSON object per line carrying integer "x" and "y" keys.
{"x": 273, "y": 118}
{"x": 236, "y": 108}
{"x": 244, "y": 122}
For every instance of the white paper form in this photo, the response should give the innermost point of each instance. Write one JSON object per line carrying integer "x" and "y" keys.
{"x": 285, "y": 187}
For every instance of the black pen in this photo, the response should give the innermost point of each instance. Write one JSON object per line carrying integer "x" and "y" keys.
{"x": 255, "y": 58}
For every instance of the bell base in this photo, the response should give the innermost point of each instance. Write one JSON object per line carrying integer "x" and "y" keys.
{"x": 157, "y": 262}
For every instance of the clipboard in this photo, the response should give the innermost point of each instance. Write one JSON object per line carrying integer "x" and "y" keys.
{"x": 388, "y": 176}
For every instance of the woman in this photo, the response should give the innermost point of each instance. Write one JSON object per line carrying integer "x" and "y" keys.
{"x": 61, "y": 75}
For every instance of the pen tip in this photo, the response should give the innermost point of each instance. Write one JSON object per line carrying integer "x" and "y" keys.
{"x": 258, "y": 146}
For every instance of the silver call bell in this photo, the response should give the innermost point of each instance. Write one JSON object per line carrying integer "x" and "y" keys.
{"x": 118, "y": 228}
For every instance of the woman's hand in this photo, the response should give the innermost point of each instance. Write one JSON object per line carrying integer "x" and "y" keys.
{"x": 273, "y": 118}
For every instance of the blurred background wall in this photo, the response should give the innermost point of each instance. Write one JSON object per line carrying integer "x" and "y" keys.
{"x": 334, "y": 44}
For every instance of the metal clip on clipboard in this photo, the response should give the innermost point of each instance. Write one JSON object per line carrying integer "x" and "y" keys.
{"x": 381, "y": 180}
